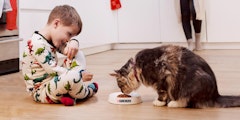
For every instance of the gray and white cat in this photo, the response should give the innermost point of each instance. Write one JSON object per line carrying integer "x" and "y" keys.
{"x": 180, "y": 77}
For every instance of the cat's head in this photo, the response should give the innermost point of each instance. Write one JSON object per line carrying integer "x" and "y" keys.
{"x": 127, "y": 77}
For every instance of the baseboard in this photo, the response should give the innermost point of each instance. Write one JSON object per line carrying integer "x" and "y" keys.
{"x": 97, "y": 49}
{"x": 119, "y": 46}
{"x": 205, "y": 45}
{"x": 221, "y": 46}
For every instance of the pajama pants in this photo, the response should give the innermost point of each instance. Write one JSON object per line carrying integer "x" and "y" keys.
{"x": 67, "y": 83}
{"x": 188, "y": 12}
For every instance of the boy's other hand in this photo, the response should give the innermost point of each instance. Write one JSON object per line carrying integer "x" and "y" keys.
{"x": 87, "y": 76}
{"x": 71, "y": 49}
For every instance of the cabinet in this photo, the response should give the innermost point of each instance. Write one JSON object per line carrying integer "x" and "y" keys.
{"x": 150, "y": 21}
{"x": 171, "y": 29}
{"x": 139, "y": 21}
{"x": 9, "y": 55}
{"x": 223, "y": 20}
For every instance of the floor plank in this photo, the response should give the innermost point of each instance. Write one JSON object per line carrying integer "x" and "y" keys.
{"x": 16, "y": 104}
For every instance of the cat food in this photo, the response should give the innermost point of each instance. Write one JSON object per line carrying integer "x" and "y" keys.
{"x": 123, "y": 95}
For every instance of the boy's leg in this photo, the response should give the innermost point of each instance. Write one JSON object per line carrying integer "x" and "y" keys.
{"x": 69, "y": 83}
{"x": 40, "y": 96}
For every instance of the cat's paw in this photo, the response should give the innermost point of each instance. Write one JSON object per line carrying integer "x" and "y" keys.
{"x": 176, "y": 104}
{"x": 159, "y": 103}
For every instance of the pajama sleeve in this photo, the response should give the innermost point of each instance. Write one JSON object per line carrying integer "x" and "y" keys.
{"x": 46, "y": 57}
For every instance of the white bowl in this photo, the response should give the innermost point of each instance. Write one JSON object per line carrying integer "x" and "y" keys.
{"x": 134, "y": 99}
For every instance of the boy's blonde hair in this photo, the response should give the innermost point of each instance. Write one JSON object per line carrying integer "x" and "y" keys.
{"x": 67, "y": 14}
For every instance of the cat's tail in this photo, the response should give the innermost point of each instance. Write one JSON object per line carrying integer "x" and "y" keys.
{"x": 227, "y": 101}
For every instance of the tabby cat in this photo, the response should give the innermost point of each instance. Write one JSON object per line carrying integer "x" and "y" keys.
{"x": 180, "y": 77}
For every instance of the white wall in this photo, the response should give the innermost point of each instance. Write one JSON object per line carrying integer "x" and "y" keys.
{"x": 223, "y": 20}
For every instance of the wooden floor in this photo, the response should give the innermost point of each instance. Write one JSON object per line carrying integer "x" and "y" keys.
{"x": 15, "y": 104}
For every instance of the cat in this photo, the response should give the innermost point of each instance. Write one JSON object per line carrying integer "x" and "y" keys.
{"x": 180, "y": 77}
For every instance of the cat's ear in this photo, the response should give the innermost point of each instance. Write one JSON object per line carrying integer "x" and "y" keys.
{"x": 129, "y": 63}
{"x": 114, "y": 74}
{"x": 117, "y": 71}
{"x": 131, "y": 60}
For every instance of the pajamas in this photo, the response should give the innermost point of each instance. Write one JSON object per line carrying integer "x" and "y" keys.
{"x": 69, "y": 82}
{"x": 45, "y": 79}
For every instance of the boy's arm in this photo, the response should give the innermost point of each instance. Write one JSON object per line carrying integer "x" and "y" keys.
{"x": 70, "y": 49}
{"x": 45, "y": 57}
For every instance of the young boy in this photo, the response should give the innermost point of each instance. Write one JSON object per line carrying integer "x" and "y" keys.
{"x": 45, "y": 79}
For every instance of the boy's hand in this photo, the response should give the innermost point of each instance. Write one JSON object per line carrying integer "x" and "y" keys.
{"x": 71, "y": 49}
{"x": 87, "y": 76}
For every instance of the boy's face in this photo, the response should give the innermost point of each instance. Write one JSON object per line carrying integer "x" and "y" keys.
{"x": 63, "y": 34}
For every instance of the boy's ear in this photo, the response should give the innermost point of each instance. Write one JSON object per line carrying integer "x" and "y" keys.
{"x": 56, "y": 22}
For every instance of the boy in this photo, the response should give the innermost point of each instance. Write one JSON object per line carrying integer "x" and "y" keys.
{"x": 45, "y": 80}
